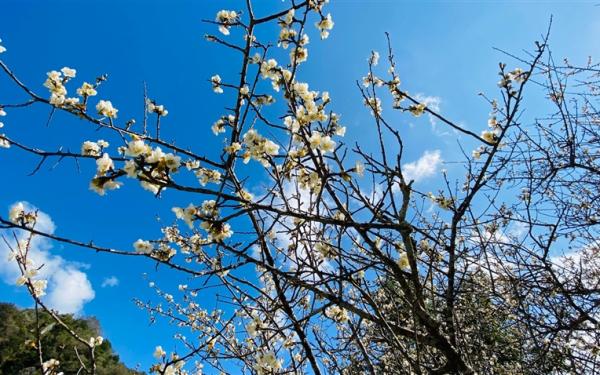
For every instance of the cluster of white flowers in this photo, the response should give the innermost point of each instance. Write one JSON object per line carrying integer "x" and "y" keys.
{"x": 337, "y": 314}
{"x": 50, "y": 366}
{"x": 173, "y": 369}
{"x": 149, "y": 163}
{"x": 188, "y": 214}
{"x": 417, "y": 109}
{"x": 101, "y": 181}
{"x": 489, "y": 136}
{"x": 309, "y": 180}
{"x": 286, "y": 36}
{"x": 477, "y": 152}
{"x": 226, "y": 18}
{"x": 517, "y": 75}
{"x": 267, "y": 363}
{"x": 309, "y": 111}
{"x": 375, "y": 105}
{"x": 255, "y": 325}
{"x": 38, "y": 286}
{"x": 324, "y": 26}
{"x": 143, "y": 247}
{"x": 96, "y": 341}
{"x": 299, "y": 54}
{"x": 258, "y": 148}
{"x": 89, "y": 148}
{"x": 17, "y": 215}
{"x": 104, "y": 165}
{"x": 288, "y": 19}
{"x": 55, "y": 83}
{"x": 137, "y": 147}
{"x": 159, "y": 353}
{"x": 87, "y": 90}
{"x": 359, "y": 168}
{"x": 440, "y": 200}
{"x": 325, "y": 249}
{"x": 106, "y": 109}
{"x": 371, "y": 79}
{"x": 403, "y": 262}
{"x": 216, "y": 84}
{"x": 204, "y": 175}
{"x": 217, "y": 231}
{"x": 374, "y": 58}
{"x": 233, "y": 148}
{"x": 152, "y": 107}
{"x": 220, "y": 125}
{"x": 321, "y": 142}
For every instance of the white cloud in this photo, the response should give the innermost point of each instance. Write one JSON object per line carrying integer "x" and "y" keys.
{"x": 425, "y": 167}
{"x": 68, "y": 287}
{"x": 110, "y": 282}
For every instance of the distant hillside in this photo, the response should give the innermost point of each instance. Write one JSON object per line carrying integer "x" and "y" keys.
{"x": 18, "y": 355}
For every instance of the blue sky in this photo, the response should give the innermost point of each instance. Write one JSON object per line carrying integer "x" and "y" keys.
{"x": 443, "y": 50}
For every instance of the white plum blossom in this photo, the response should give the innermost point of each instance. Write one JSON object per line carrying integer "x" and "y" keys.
{"x": 489, "y": 136}
{"x": 105, "y": 108}
{"x": 374, "y": 59}
{"x": 39, "y": 287}
{"x": 142, "y": 246}
{"x": 226, "y": 18}
{"x": 89, "y": 148}
{"x": 131, "y": 169}
{"x": 216, "y": 84}
{"x": 86, "y": 90}
{"x": 100, "y": 184}
{"x": 159, "y": 353}
{"x": 16, "y": 212}
{"x": 321, "y": 142}
{"x": 104, "y": 164}
{"x": 324, "y": 26}
{"x": 55, "y": 84}
{"x": 337, "y": 314}
{"x": 68, "y": 72}
{"x": 258, "y": 147}
{"x": 188, "y": 214}
{"x": 267, "y": 363}
{"x": 359, "y": 168}
{"x": 152, "y": 107}
{"x": 137, "y": 147}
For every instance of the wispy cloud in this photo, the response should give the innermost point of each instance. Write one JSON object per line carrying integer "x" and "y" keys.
{"x": 427, "y": 166}
{"x": 110, "y": 282}
{"x": 69, "y": 288}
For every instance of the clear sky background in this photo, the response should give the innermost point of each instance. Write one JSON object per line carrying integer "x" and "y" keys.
{"x": 444, "y": 51}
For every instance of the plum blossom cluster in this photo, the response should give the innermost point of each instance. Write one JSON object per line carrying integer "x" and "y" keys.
{"x": 216, "y": 84}
{"x": 325, "y": 26}
{"x": 20, "y": 251}
{"x": 220, "y": 126}
{"x": 89, "y": 148}
{"x": 104, "y": 178}
{"x": 50, "y": 367}
{"x": 55, "y": 83}
{"x": 152, "y": 167}
{"x": 258, "y": 148}
{"x": 105, "y": 108}
{"x": 225, "y": 19}
{"x": 204, "y": 175}
{"x": 152, "y": 107}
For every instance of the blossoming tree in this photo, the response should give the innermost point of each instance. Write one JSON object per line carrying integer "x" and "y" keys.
{"x": 336, "y": 266}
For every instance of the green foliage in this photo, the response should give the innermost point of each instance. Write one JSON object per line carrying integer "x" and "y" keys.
{"x": 18, "y": 354}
